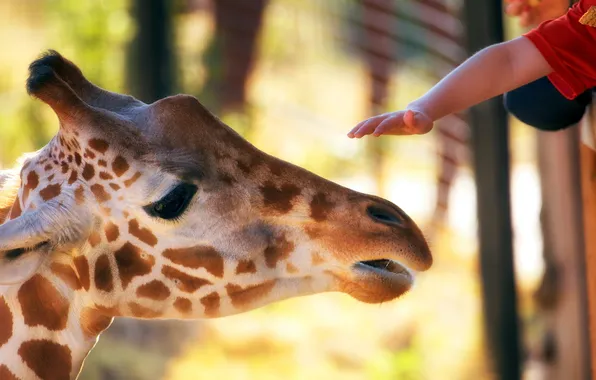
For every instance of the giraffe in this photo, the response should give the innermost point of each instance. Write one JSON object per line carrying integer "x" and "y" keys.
{"x": 162, "y": 211}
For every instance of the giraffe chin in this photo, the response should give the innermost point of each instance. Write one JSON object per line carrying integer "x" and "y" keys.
{"x": 377, "y": 281}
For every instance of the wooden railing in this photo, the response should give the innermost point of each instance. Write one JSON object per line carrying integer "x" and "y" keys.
{"x": 587, "y": 151}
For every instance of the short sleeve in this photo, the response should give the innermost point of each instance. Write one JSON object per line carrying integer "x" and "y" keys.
{"x": 570, "y": 49}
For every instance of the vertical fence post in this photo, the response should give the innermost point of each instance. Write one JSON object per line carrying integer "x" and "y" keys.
{"x": 588, "y": 180}
{"x": 490, "y": 151}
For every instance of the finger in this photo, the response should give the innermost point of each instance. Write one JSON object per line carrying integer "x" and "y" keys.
{"x": 391, "y": 124}
{"x": 369, "y": 126}
{"x": 353, "y": 131}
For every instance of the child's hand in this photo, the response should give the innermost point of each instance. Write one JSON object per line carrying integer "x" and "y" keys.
{"x": 408, "y": 122}
{"x": 533, "y": 12}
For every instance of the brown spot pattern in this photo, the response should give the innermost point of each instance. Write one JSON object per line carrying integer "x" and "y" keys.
{"x": 94, "y": 238}
{"x": 16, "y": 211}
{"x": 103, "y": 274}
{"x": 99, "y": 145}
{"x": 112, "y": 232}
{"x": 107, "y": 310}
{"x": 211, "y": 304}
{"x": 114, "y": 186}
{"x": 276, "y": 167}
{"x": 73, "y": 177}
{"x": 32, "y": 183}
{"x": 5, "y": 373}
{"x": 155, "y": 290}
{"x": 102, "y": 163}
{"x": 119, "y": 166}
{"x": 82, "y": 267}
{"x": 89, "y": 154}
{"x": 100, "y": 193}
{"x": 184, "y": 282}
{"x": 78, "y": 159}
{"x": 143, "y": 234}
{"x": 320, "y": 207}
{"x": 79, "y": 195}
{"x": 50, "y": 192}
{"x": 42, "y": 304}
{"x": 183, "y": 305}
{"x": 105, "y": 176}
{"x": 5, "y": 322}
{"x": 227, "y": 179}
{"x": 242, "y": 297}
{"x": 140, "y": 311}
{"x": 93, "y": 322}
{"x": 197, "y": 257}
{"x": 279, "y": 200}
{"x": 88, "y": 172}
{"x": 317, "y": 259}
{"x": 131, "y": 264}
{"x": 246, "y": 266}
{"x": 291, "y": 268}
{"x": 244, "y": 167}
{"x": 49, "y": 360}
{"x": 280, "y": 249}
{"x": 132, "y": 180}
{"x": 66, "y": 274}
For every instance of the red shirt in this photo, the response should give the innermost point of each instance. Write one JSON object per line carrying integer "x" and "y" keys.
{"x": 570, "y": 49}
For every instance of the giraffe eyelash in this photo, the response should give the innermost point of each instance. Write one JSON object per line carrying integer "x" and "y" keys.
{"x": 14, "y": 254}
{"x": 174, "y": 204}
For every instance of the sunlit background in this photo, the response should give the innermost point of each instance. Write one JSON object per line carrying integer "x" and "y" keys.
{"x": 306, "y": 89}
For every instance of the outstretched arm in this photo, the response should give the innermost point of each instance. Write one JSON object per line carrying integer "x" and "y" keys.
{"x": 490, "y": 72}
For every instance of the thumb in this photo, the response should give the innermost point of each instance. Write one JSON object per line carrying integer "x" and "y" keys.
{"x": 412, "y": 119}
{"x": 417, "y": 121}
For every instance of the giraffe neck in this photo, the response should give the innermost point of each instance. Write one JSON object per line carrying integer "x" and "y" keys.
{"x": 42, "y": 335}
{"x": 47, "y": 327}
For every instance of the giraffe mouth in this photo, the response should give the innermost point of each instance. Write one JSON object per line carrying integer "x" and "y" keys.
{"x": 386, "y": 268}
{"x": 377, "y": 281}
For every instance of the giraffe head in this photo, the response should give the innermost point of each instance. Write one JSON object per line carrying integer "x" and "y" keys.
{"x": 162, "y": 211}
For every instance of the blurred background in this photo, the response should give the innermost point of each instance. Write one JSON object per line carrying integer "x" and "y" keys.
{"x": 293, "y": 77}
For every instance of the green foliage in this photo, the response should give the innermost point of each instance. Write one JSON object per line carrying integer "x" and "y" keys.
{"x": 403, "y": 365}
{"x": 116, "y": 359}
{"x": 94, "y": 34}
{"x": 91, "y": 33}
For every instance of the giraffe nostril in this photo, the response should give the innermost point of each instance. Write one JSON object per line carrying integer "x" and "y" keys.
{"x": 385, "y": 215}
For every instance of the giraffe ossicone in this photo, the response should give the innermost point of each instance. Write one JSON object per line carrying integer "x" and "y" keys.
{"x": 162, "y": 211}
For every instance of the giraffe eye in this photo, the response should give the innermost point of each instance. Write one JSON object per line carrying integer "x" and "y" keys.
{"x": 173, "y": 204}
